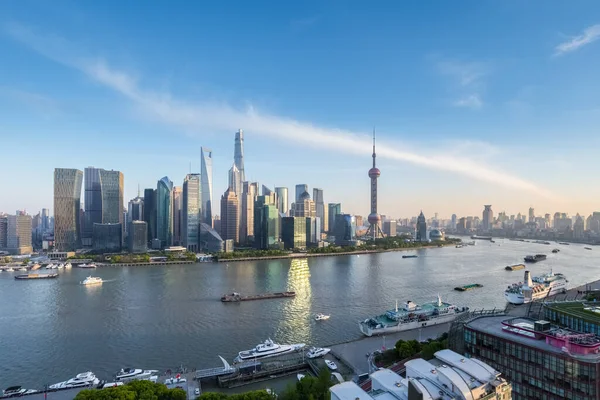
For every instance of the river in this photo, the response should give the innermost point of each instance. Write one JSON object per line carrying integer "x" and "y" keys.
{"x": 163, "y": 317}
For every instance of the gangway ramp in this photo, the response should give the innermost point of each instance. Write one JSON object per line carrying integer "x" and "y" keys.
{"x": 226, "y": 369}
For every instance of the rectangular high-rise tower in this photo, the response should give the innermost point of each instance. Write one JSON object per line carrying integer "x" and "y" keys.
{"x": 67, "y": 203}
{"x": 300, "y": 188}
{"x": 319, "y": 205}
{"x": 282, "y": 200}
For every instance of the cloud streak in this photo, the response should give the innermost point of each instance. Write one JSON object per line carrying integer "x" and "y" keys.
{"x": 589, "y": 35}
{"x": 198, "y": 117}
{"x": 468, "y": 77}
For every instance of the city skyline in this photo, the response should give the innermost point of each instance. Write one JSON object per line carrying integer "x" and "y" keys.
{"x": 494, "y": 137}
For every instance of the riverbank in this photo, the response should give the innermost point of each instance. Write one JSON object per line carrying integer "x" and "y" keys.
{"x": 145, "y": 264}
{"x": 344, "y": 253}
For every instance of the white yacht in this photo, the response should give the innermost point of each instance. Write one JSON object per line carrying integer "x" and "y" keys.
{"x": 91, "y": 265}
{"x": 49, "y": 266}
{"x": 267, "y": 349}
{"x": 23, "y": 269}
{"x": 321, "y": 317}
{"x": 111, "y": 384}
{"x": 60, "y": 266}
{"x": 92, "y": 280}
{"x": 535, "y": 288}
{"x": 316, "y": 352}
{"x": 84, "y": 379}
{"x": 134, "y": 374}
{"x": 68, "y": 265}
{"x": 10, "y": 269}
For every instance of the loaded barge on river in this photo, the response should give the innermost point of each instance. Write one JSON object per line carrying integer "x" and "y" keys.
{"x": 36, "y": 276}
{"x": 236, "y": 297}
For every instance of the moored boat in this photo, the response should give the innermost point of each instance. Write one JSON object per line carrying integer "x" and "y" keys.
{"x": 16, "y": 391}
{"x": 535, "y": 288}
{"x": 80, "y": 380}
{"x": 84, "y": 265}
{"x": 316, "y": 352}
{"x": 36, "y": 276}
{"x": 411, "y": 316}
{"x": 267, "y": 349}
{"x": 555, "y": 251}
{"x": 133, "y": 374}
{"x": 468, "y": 287}
{"x": 409, "y": 256}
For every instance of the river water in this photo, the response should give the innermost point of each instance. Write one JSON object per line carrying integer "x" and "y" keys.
{"x": 163, "y": 317}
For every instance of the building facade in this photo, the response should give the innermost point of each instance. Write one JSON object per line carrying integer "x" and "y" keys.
{"x": 3, "y": 231}
{"x": 107, "y": 238}
{"x": 300, "y": 189}
{"x": 92, "y": 204}
{"x": 164, "y": 212}
{"x": 421, "y": 235}
{"x": 313, "y": 231}
{"x": 206, "y": 178}
{"x": 138, "y": 234}
{"x": 282, "y": 200}
{"x": 304, "y": 207}
{"x": 67, "y": 203}
{"x": 293, "y": 232}
{"x": 266, "y": 223}
{"x": 18, "y": 234}
{"x": 135, "y": 209}
{"x": 389, "y": 228}
{"x": 210, "y": 240}
{"x": 177, "y": 214}
{"x": 334, "y": 209}
{"x": 150, "y": 212}
{"x": 345, "y": 230}
{"x": 112, "y": 185}
{"x": 191, "y": 212}
{"x": 230, "y": 208}
{"x": 319, "y": 204}
{"x": 249, "y": 194}
{"x": 488, "y": 218}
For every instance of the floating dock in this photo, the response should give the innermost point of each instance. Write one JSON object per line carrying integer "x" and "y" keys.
{"x": 236, "y": 297}
{"x": 36, "y": 276}
{"x": 468, "y": 287}
{"x": 515, "y": 267}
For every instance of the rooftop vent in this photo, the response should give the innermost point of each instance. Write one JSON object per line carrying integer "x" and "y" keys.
{"x": 472, "y": 379}
{"x": 398, "y": 384}
{"x": 444, "y": 366}
{"x": 433, "y": 371}
{"x": 462, "y": 360}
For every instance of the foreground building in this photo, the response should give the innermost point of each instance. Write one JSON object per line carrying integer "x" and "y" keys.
{"x": 293, "y": 232}
{"x": 67, "y": 203}
{"x": 164, "y": 212}
{"x": 107, "y": 238}
{"x": 448, "y": 376}
{"x": 17, "y": 234}
{"x": 345, "y": 230}
{"x": 541, "y": 360}
{"x": 138, "y": 232}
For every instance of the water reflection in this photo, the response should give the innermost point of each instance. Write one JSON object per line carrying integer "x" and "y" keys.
{"x": 298, "y": 311}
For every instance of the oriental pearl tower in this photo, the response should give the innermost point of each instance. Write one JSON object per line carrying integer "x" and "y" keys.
{"x": 374, "y": 219}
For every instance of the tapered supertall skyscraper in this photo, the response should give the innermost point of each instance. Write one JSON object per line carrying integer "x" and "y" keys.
{"x": 238, "y": 155}
{"x": 374, "y": 218}
{"x": 206, "y": 179}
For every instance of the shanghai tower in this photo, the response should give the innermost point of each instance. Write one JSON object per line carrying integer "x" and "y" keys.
{"x": 238, "y": 155}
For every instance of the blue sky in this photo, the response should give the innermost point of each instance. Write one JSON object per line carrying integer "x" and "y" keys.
{"x": 473, "y": 102}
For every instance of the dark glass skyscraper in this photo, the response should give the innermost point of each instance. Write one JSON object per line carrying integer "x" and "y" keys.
{"x": 150, "y": 212}
{"x": 191, "y": 211}
{"x": 92, "y": 203}
{"x": 164, "y": 212}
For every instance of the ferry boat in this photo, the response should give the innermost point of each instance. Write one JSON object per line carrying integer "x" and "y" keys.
{"x": 411, "y": 316}
{"x": 92, "y": 280}
{"x": 92, "y": 265}
{"x": 84, "y": 379}
{"x": 534, "y": 259}
{"x": 535, "y": 288}
{"x": 68, "y": 265}
{"x": 316, "y": 352}
{"x": 321, "y": 317}
{"x": 134, "y": 374}
{"x": 267, "y": 349}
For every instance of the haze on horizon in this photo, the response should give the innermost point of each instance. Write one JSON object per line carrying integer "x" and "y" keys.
{"x": 467, "y": 111}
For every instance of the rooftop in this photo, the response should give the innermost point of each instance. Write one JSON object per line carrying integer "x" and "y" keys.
{"x": 517, "y": 334}
{"x": 589, "y": 312}
{"x": 349, "y": 391}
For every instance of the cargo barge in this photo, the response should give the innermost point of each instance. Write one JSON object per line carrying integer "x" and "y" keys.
{"x": 236, "y": 297}
{"x": 468, "y": 287}
{"x": 515, "y": 267}
{"x": 36, "y": 276}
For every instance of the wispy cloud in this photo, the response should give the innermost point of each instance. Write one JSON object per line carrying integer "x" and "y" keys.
{"x": 588, "y": 36}
{"x": 196, "y": 117}
{"x": 467, "y": 80}
{"x": 471, "y": 101}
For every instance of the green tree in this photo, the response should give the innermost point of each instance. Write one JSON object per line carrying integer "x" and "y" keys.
{"x": 212, "y": 396}
{"x": 405, "y": 350}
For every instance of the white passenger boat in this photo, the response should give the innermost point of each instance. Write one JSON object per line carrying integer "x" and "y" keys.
{"x": 81, "y": 380}
{"x": 267, "y": 349}
{"x": 315, "y": 352}
{"x": 321, "y": 317}
{"x": 535, "y": 288}
{"x": 92, "y": 280}
{"x": 133, "y": 374}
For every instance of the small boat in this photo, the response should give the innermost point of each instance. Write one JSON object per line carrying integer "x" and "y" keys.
{"x": 49, "y": 266}
{"x": 587, "y": 248}
{"x": 134, "y": 374}
{"x": 60, "y": 266}
{"x": 9, "y": 269}
{"x": 68, "y": 265}
{"x": 92, "y": 280}
{"x": 267, "y": 349}
{"x": 16, "y": 391}
{"x": 321, "y": 317}
{"x": 410, "y": 256}
{"x": 316, "y": 352}
{"x": 536, "y": 258}
{"x": 35, "y": 267}
{"x": 515, "y": 267}
{"x": 23, "y": 269}
{"x": 91, "y": 265}
{"x": 331, "y": 365}
{"x": 555, "y": 251}
{"x": 468, "y": 287}
{"x": 300, "y": 376}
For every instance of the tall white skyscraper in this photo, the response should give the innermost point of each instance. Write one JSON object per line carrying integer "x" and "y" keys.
{"x": 206, "y": 177}
{"x": 238, "y": 156}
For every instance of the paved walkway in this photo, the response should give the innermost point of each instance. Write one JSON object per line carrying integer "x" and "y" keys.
{"x": 355, "y": 353}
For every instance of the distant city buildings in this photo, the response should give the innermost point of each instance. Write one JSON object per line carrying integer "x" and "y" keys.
{"x": 150, "y": 212}
{"x": 389, "y": 228}
{"x": 135, "y": 209}
{"x": 16, "y": 233}
{"x": 334, "y": 210}
{"x": 67, "y": 203}
{"x": 177, "y": 214}
{"x": 248, "y": 198}
{"x": 107, "y": 238}
{"x": 345, "y": 230}
{"x": 300, "y": 189}
{"x": 266, "y": 223}
{"x": 319, "y": 204}
{"x": 304, "y": 206}
{"x": 488, "y": 218}
{"x": 230, "y": 216}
